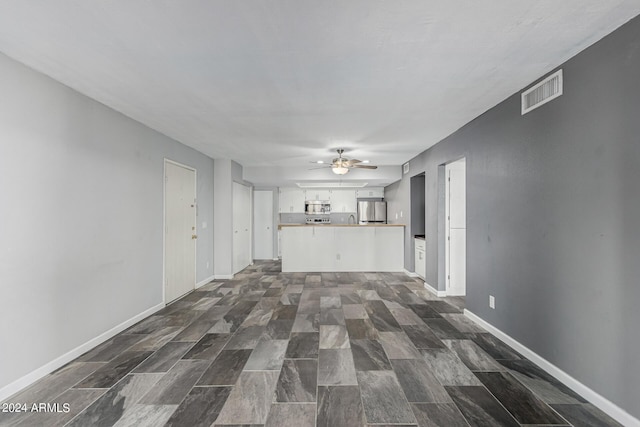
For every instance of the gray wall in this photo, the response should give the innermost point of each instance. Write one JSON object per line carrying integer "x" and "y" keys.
{"x": 553, "y": 217}
{"x": 81, "y": 208}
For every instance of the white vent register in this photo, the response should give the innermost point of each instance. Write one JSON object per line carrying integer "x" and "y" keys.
{"x": 543, "y": 92}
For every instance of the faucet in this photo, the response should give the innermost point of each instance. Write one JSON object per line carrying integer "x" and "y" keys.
{"x": 350, "y": 218}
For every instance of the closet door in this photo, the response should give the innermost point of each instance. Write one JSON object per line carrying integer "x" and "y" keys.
{"x": 263, "y": 224}
{"x": 241, "y": 227}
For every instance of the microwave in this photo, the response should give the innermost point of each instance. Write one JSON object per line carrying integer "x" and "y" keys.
{"x": 317, "y": 207}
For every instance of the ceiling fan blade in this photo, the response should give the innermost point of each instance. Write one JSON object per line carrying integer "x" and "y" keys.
{"x": 321, "y": 167}
{"x": 364, "y": 166}
{"x": 355, "y": 161}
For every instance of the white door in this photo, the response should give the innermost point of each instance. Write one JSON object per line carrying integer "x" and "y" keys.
{"x": 180, "y": 234}
{"x": 456, "y": 226}
{"x": 241, "y": 227}
{"x": 263, "y": 224}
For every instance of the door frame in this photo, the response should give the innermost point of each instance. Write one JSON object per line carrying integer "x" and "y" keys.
{"x": 164, "y": 223}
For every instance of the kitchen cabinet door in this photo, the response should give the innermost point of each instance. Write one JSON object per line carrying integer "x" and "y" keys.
{"x": 293, "y": 240}
{"x": 291, "y": 200}
{"x": 308, "y": 249}
{"x": 343, "y": 201}
{"x": 420, "y": 267}
{"x": 377, "y": 192}
{"x": 387, "y": 241}
{"x": 317, "y": 194}
{"x": 355, "y": 249}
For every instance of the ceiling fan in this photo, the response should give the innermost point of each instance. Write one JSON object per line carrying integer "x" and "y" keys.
{"x": 341, "y": 165}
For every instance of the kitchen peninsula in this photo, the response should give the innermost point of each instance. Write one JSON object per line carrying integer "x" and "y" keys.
{"x": 342, "y": 247}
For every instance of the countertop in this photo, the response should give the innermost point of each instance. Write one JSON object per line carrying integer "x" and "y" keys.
{"x": 280, "y": 226}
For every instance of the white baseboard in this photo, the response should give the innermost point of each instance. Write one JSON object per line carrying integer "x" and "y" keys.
{"x": 409, "y": 273}
{"x": 223, "y": 277}
{"x": 439, "y": 294}
{"x": 25, "y": 381}
{"x": 610, "y": 408}
{"x": 205, "y": 281}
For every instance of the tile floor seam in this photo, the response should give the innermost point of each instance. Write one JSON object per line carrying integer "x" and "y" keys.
{"x": 391, "y": 297}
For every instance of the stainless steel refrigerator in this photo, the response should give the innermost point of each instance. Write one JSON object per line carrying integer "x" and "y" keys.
{"x": 372, "y": 212}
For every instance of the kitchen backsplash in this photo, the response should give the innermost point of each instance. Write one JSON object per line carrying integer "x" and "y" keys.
{"x": 300, "y": 218}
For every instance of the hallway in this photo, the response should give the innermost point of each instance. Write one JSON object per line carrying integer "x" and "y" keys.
{"x": 304, "y": 349}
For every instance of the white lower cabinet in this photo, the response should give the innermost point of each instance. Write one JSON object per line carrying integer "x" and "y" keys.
{"x": 420, "y": 266}
{"x": 306, "y": 248}
{"x": 336, "y": 248}
{"x": 355, "y": 248}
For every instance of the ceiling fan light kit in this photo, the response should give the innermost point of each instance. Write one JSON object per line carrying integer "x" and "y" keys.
{"x": 339, "y": 170}
{"x": 341, "y": 165}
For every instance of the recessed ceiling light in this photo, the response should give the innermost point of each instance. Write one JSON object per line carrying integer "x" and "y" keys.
{"x": 320, "y": 162}
{"x": 365, "y": 161}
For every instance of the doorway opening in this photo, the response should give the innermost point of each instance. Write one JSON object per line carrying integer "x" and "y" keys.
{"x": 417, "y": 200}
{"x": 179, "y": 230}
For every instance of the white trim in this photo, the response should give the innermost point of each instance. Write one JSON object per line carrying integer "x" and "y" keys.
{"x": 205, "y": 281}
{"x": 223, "y": 277}
{"x": 439, "y": 294}
{"x": 610, "y": 408}
{"x": 409, "y": 273}
{"x": 25, "y": 381}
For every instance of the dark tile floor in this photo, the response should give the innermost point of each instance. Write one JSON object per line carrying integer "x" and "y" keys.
{"x": 295, "y": 349}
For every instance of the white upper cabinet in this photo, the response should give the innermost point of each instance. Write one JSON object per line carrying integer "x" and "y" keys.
{"x": 317, "y": 194}
{"x": 377, "y": 192}
{"x": 291, "y": 200}
{"x": 343, "y": 200}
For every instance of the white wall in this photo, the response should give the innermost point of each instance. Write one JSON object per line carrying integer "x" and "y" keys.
{"x": 81, "y": 211}
{"x": 223, "y": 226}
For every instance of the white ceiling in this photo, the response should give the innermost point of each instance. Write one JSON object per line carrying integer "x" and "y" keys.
{"x": 273, "y": 83}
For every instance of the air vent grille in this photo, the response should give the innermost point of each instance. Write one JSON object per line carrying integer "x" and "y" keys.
{"x": 543, "y": 92}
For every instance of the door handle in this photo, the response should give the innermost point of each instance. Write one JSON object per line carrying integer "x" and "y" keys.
{"x": 194, "y": 236}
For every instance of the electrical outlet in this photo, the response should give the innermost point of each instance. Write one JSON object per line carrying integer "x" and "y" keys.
{"x": 396, "y": 215}
{"x": 492, "y": 302}
{"x": 338, "y": 257}
{"x": 207, "y": 265}
{"x": 204, "y": 224}
{"x": 400, "y": 214}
